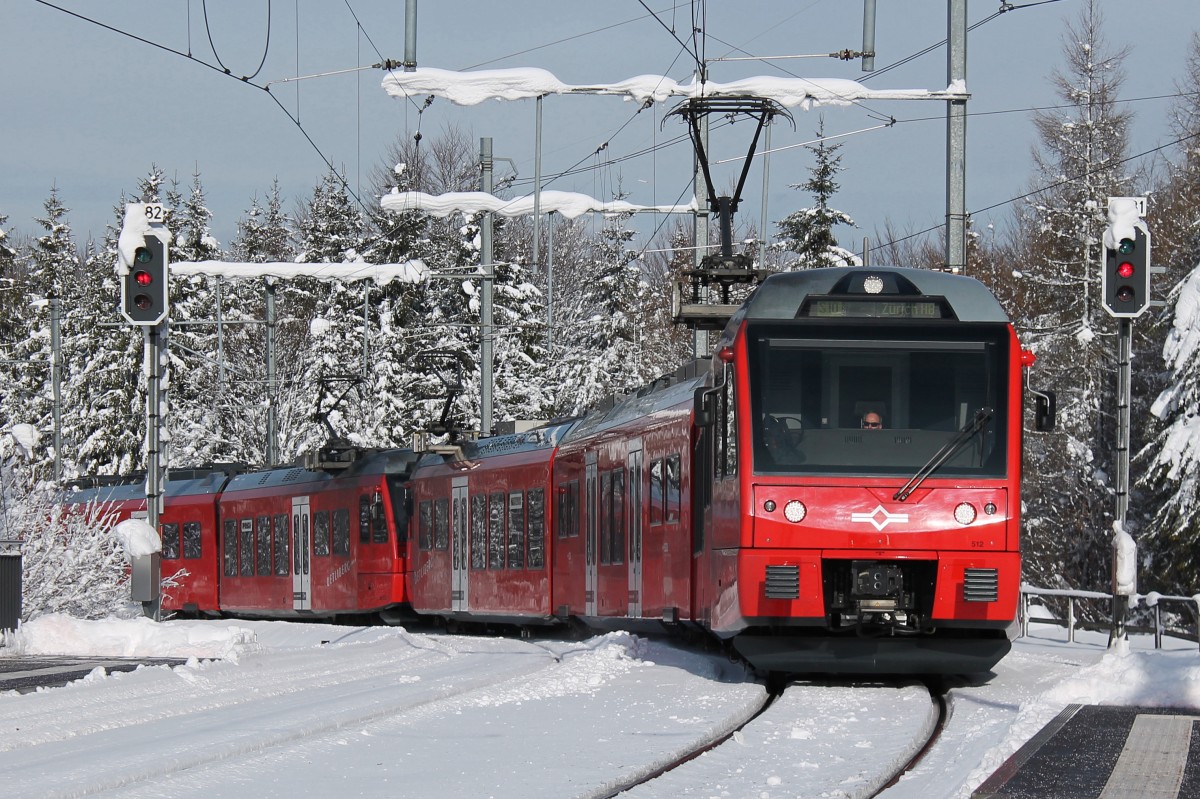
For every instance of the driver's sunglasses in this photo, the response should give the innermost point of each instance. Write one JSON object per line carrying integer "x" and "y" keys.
{"x": 872, "y": 424}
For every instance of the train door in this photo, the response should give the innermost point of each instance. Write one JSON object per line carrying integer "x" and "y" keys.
{"x": 634, "y": 504}
{"x": 460, "y": 557}
{"x": 591, "y": 572}
{"x": 301, "y": 555}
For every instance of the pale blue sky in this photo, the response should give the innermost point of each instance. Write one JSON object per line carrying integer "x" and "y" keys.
{"x": 89, "y": 110}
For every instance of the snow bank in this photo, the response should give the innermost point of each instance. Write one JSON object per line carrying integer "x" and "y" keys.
{"x": 59, "y": 634}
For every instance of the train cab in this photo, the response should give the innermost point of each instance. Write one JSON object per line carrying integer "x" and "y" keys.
{"x": 876, "y": 417}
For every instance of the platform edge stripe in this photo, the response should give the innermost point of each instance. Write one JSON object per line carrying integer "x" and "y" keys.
{"x": 1153, "y": 761}
{"x": 1000, "y": 777}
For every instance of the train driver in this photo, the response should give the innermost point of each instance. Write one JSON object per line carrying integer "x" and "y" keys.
{"x": 872, "y": 421}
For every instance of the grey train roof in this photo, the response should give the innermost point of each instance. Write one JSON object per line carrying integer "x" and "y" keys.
{"x": 780, "y": 295}
{"x": 370, "y": 461}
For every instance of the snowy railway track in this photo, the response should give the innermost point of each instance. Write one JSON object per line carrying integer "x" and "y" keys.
{"x": 367, "y": 717}
{"x": 849, "y": 740}
{"x": 130, "y": 729}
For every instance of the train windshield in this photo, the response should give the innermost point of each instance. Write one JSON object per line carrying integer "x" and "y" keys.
{"x": 879, "y": 400}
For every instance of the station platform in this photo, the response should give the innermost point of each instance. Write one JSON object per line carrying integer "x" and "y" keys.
{"x": 25, "y": 674}
{"x": 1094, "y": 752}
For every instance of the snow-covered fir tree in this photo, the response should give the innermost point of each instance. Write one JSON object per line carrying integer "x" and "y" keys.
{"x": 329, "y": 230}
{"x": 1083, "y": 144}
{"x": 1171, "y": 462}
{"x": 809, "y": 231}
{"x": 605, "y": 345}
{"x": 201, "y": 397}
{"x": 105, "y": 391}
{"x": 52, "y": 272}
{"x": 1167, "y": 464}
{"x": 263, "y": 236}
{"x": 10, "y": 292}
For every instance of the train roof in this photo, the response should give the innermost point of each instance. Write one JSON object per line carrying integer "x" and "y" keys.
{"x": 547, "y": 436}
{"x": 189, "y": 482}
{"x": 367, "y": 462}
{"x": 781, "y": 294}
{"x": 666, "y": 392}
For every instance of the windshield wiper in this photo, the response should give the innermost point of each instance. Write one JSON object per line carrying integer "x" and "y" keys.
{"x": 982, "y": 417}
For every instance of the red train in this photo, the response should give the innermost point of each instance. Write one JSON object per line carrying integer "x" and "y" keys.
{"x": 837, "y": 490}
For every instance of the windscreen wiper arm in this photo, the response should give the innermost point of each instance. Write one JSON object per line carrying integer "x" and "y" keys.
{"x": 982, "y": 417}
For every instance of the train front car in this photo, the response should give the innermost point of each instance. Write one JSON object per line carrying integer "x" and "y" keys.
{"x": 866, "y": 450}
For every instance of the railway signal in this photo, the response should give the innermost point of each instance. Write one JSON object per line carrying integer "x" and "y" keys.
{"x": 1125, "y": 281}
{"x": 144, "y": 287}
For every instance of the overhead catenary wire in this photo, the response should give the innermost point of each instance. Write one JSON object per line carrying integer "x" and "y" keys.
{"x": 208, "y": 30}
{"x": 295, "y": 118}
{"x": 1045, "y": 188}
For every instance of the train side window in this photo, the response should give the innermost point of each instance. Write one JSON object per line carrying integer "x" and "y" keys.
{"x": 379, "y": 528}
{"x": 263, "y": 531}
{"x": 605, "y": 517}
{"x": 516, "y": 530}
{"x": 657, "y": 497}
{"x": 496, "y": 532}
{"x": 568, "y": 509}
{"x": 170, "y": 540}
{"x": 230, "y": 544}
{"x": 192, "y": 540}
{"x": 727, "y": 432}
{"x": 617, "y": 516}
{"x": 425, "y": 524}
{"x": 281, "y": 545}
{"x": 673, "y": 489}
{"x": 479, "y": 520}
{"x": 441, "y": 523}
{"x": 341, "y": 531}
{"x": 320, "y": 532}
{"x": 537, "y": 529}
{"x": 247, "y": 549}
{"x": 364, "y": 519}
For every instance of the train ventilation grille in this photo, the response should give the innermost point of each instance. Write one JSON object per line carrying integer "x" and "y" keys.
{"x": 783, "y": 582}
{"x": 981, "y": 585}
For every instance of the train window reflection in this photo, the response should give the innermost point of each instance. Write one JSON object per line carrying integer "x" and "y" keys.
{"x": 877, "y": 400}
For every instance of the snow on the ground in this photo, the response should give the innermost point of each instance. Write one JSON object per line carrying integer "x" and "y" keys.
{"x": 281, "y": 709}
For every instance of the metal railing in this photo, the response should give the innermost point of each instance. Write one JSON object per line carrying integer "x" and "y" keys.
{"x": 1150, "y": 604}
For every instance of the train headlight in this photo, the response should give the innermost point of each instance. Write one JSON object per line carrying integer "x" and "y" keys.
{"x": 769, "y": 506}
{"x": 795, "y": 511}
{"x": 964, "y": 513}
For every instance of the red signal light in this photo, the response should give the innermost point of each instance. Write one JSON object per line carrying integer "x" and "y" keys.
{"x": 142, "y": 277}
{"x": 1126, "y": 269}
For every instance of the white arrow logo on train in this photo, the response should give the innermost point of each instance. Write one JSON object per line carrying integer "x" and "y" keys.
{"x": 879, "y": 518}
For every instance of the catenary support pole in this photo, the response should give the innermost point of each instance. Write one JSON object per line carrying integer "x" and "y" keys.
{"x": 550, "y": 285}
{"x": 868, "y": 48}
{"x": 537, "y": 187}
{"x": 485, "y": 300}
{"x": 410, "y": 35}
{"x": 956, "y": 141}
{"x": 272, "y": 388}
{"x": 700, "y": 235}
{"x": 56, "y": 370}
